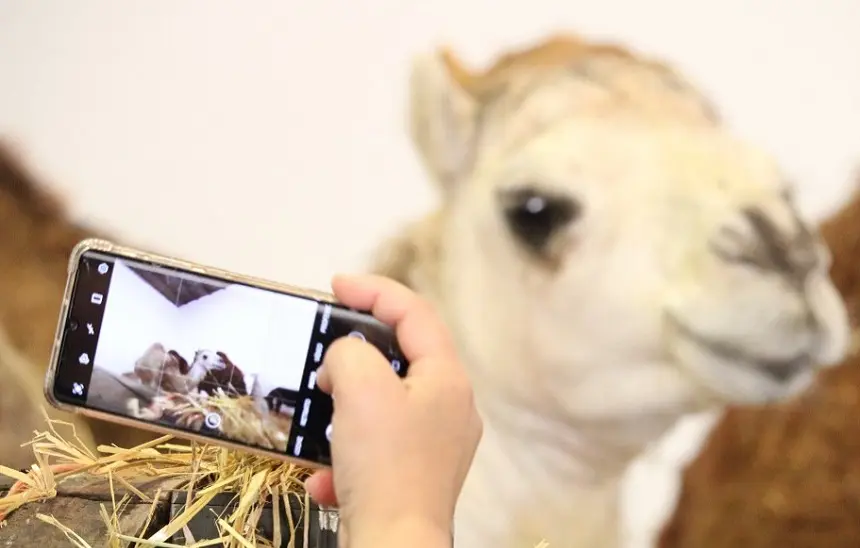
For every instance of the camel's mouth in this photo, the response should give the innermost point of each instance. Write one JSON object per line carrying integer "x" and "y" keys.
{"x": 777, "y": 370}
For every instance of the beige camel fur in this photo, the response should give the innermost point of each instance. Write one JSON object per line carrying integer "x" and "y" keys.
{"x": 610, "y": 257}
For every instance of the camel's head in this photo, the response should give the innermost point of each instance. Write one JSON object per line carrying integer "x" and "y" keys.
{"x": 596, "y": 216}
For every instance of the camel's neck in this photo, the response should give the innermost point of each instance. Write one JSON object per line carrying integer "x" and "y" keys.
{"x": 558, "y": 436}
{"x": 197, "y": 373}
{"x": 538, "y": 477}
{"x": 34, "y": 252}
{"x": 29, "y": 211}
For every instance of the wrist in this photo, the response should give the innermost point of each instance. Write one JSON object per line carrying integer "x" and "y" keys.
{"x": 396, "y": 533}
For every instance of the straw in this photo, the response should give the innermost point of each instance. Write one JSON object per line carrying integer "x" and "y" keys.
{"x": 202, "y": 471}
{"x": 241, "y": 420}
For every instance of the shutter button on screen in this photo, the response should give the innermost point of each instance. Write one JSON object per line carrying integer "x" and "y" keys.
{"x": 212, "y": 420}
{"x": 328, "y": 432}
{"x": 358, "y": 335}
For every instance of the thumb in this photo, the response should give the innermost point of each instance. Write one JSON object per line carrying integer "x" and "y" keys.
{"x": 320, "y": 486}
{"x": 354, "y": 366}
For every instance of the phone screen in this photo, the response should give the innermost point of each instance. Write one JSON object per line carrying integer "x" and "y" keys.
{"x": 205, "y": 355}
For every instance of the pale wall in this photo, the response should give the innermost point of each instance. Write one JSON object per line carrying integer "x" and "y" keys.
{"x": 135, "y": 317}
{"x": 265, "y": 334}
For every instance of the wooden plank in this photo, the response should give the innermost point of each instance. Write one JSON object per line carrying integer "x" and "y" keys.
{"x": 23, "y": 528}
{"x": 79, "y": 499}
{"x": 77, "y": 506}
{"x": 97, "y": 488}
{"x": 321, "y": 526}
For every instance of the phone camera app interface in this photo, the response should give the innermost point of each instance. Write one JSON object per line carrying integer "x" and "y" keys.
{"x": 206, "y": 356}
{"x": 311, "y": 435}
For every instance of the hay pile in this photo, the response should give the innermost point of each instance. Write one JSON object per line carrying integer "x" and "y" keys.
{"x": 242, "y": 419}
{"x": 205, "y": 472}
{"x": 785, "y": 475}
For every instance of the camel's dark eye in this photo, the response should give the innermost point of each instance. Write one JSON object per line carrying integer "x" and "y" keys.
{"x": 535, "y": 217}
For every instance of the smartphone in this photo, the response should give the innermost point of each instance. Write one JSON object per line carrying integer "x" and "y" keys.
{"x": 179, "y": 348}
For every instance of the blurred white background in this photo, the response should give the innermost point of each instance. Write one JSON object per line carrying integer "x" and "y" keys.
{"x": 267, "y": 137}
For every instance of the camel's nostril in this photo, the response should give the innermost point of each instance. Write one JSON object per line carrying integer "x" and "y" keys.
{"x": 785, "y": 371}
{"x": 770, "y": 248}
{"x": 754, "y": 239}
{"x": 732, "y": 242}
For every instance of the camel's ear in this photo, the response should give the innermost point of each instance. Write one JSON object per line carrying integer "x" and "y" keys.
{"x": 443, "y": 117}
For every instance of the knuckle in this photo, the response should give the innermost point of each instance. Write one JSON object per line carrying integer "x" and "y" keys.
{"x": 334, "y": 353}
{"x": 341, "y": 350}
{"x": 479, "y": 426}
{"x": 398, "y": 287}
{"x": 422, "y": 305}
{"x": 417, "y": 311}
{"x": 347, "y": 351}
{"x": 462, "y": 389}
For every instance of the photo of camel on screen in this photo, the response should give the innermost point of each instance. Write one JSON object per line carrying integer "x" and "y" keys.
{"x": 220, "y": 359}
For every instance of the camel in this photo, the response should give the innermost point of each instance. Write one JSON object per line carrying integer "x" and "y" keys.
{"x": 36, "y": 238}
{"x": 610, "y": 257}
{"x": 584, "y": 190}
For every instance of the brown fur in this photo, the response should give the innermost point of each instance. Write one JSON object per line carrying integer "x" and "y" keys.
{"x": 181, "y": 363}
{"x": 599, "y": 62}
{"x": 556, "y": 51}
{"x": 36, "y": 239}
{"x": 842, "y": 232}
{"x": 174, "y": 377}
{"x": 231, "y": 379}
{"x": 417, "y": 246}
{"x": 785, "y": 475}
{"x": 20, "y": 409}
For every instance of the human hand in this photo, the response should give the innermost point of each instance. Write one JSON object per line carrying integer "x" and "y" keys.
{"x": 401, "y": 448}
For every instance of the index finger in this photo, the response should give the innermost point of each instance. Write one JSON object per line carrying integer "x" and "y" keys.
{"x": 420, "y": 331}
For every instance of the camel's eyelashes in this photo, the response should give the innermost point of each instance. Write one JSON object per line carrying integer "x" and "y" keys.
{"x": 535, "y": 216}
